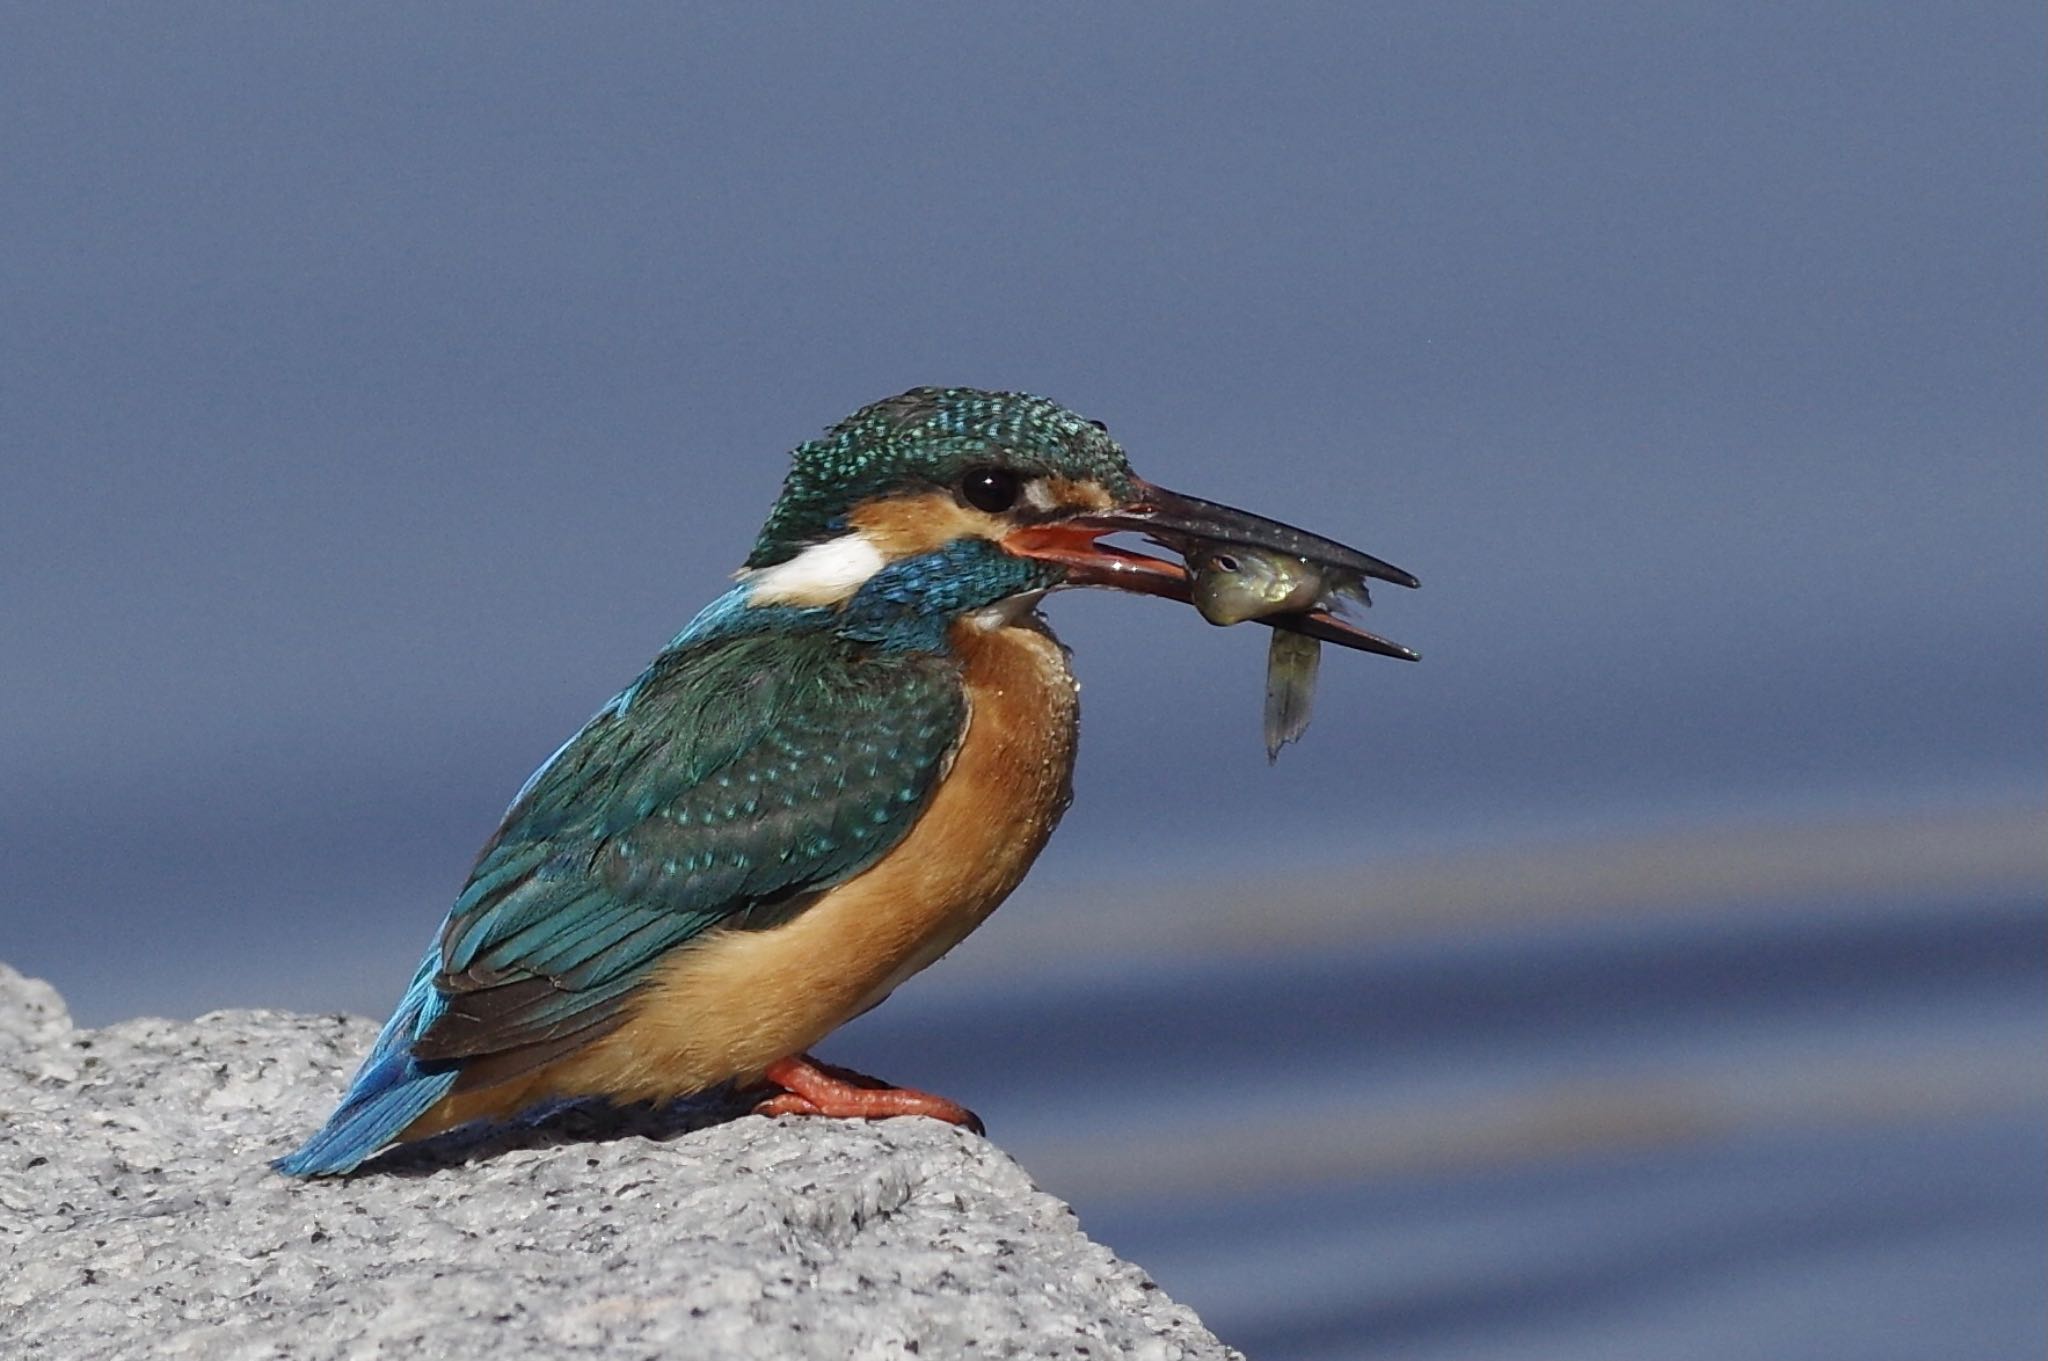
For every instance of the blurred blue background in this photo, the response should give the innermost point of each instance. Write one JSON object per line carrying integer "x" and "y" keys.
{"x": 1656, "y": 970}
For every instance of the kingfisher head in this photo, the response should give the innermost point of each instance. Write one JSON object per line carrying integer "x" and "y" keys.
{"x": 943, "y": 502}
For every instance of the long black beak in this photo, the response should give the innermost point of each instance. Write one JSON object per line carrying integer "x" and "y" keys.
{"x": 1185, "y": 523}
{"x": 1188, "y": 525}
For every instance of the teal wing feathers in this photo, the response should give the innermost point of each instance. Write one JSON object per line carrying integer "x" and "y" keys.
{"x": 736, "y": 781}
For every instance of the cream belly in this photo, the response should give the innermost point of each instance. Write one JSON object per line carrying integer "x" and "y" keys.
{"x": 733, "y": 1002}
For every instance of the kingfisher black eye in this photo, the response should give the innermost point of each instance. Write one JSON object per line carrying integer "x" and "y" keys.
{"x": 991, "y": 489}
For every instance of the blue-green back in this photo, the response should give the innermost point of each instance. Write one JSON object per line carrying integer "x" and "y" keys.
{"x": 738, "y": 778}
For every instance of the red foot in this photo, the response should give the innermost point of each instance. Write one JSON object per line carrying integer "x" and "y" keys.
{"x": 811, "y": 1089}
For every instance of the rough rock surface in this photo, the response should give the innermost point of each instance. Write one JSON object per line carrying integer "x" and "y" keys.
{"x": 138, "y": 1218}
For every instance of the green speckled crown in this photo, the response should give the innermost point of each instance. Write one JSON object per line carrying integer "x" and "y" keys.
{"x": 926, "y": 438}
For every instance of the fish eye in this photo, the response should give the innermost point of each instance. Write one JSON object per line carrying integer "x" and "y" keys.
{"x": 1224, "y": 562}
{"x": 990, "y": 489}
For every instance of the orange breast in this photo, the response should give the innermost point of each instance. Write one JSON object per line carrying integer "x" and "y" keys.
{"x": 732, "y": 1002}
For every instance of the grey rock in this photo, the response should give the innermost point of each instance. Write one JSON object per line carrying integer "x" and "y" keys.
{"x": 138, "y": 1218}
{"x": 31, "y": 1012}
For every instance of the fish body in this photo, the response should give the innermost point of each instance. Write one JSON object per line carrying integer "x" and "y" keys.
{"x": 1236, "y": 582}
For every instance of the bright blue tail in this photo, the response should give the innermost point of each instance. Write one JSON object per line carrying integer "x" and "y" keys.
{"x": 389, "y": 1092}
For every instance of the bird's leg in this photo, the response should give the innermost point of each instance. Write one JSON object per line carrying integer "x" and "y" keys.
{"x": 810, "y": 1088}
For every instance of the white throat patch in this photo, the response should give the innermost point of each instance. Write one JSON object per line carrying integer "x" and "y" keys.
{"x": 823, "y": 574}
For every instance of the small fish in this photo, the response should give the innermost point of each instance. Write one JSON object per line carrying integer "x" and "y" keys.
{"x": 1231, "y": 583}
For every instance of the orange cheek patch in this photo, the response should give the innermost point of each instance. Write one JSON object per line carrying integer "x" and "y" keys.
{"x": 924, "y": 522}
{"x": 907, "y": 526}
{"x": 1078, "y": 495}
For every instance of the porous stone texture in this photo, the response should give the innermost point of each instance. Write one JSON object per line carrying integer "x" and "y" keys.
{"x": 138, "y": 1218}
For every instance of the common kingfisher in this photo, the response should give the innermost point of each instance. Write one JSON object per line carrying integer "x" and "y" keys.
{"x": 832, "y": 775}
